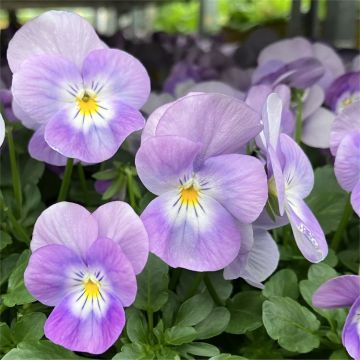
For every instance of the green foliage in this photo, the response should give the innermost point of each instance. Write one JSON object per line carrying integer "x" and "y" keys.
{"x": 282, "y": 283}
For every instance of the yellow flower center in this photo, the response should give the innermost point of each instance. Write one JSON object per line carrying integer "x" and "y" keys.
{"x": 87, "y": 103}
{"x": 348, "y": 101}
{"x": 189, "y": 195}
{"x": 91, "y": 288}
{"x": 272, "y": 187}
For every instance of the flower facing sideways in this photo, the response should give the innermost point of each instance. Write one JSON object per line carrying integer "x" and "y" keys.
{"x": 83, "y": 100}
{"x": 188, "y": 157}
{"x": 84, "y": 265}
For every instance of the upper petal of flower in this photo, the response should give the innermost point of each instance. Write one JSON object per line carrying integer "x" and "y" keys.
{"x": 347, "y": 161}
{"x": 60, "y": 33}
{"x": 192, "y": 231}
{"x": 221, "y": 123}
{"x": 341, "y": 291}
{"x": 308, "y": 234}
{"x": 350, "y": 335}
{"x": 163, "y": 162}
{"x": 2, "y": 130}
{"x": 237, "y": 182}
{"x": 119, "y": 75}
{"x": 67, "y": 224}
{"x": 119, "y": 222}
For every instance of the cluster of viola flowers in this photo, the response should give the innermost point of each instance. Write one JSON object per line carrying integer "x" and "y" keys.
{"x": 226, "y": 167}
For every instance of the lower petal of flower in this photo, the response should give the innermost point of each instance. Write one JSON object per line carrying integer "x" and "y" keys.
{"x": 351, "y": 331}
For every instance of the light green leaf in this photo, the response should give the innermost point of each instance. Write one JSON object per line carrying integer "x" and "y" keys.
{"x": 29, "y": 328}
{"x": 245, "y": 310}
{"x": 214, "y": 324}
{"x": 339, "y": 355}
{"x": 152, "y": 285}
{"x": 17, "y": 293}
{"x": 227, "y": 357}
{"x": 5, "y": 240}
{"x": 293, "y": 325}
{"x": 200, "y": 349}
{"x": 136, "y": 326}
{"x": 6, "y": 340}
{"x": 282, "y": 283}
{"x": 135, "y": 352}
{"x": 194, "y": 310}
{"x": 170, "y": 309}
{"x": 6, "y": 267}
{"x": 178, "y": 335}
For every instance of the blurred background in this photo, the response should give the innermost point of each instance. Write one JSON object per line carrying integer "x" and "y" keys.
{"x": 198, "y": 39}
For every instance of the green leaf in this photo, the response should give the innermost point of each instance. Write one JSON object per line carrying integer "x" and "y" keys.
{"x": 245, "y": 310}
{"x": 178, "y": 335}
{"x": 215, "y": 323}
{"x": 6, "y": 267}
{"x": 29, "y": 328}
{"x": 152, "y": 285}
{"x": 165, "y": 353}
{"x": 223, "y": 287}
{"x": 135, "y": 352}
{"x": 6, "y": 340}
{"x": 17, "y": 293}
{"x": 200, "y": 349}
{"x": 227, "y": 357}
{"x": 32, "y": 172}
{"x": 105, "y": 175}
{"x": 331, "y": 258}
{"x": 327, "y": 206}
{"x": 136, "y": 326}
{"x": 194, "y": 310}
{"x": 293, "y": 325}
{"x": 170, "y": 309}
{"x": 40, "y": 350}
{"x": 339, "y": 355}
{"x": 282, "y": 283}
{"x": 350, "y": 259}
{"x": 5, "y": 240}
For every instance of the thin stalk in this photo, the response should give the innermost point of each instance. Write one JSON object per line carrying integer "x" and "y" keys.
{"x": 64, "y": 189}
{"x": 212, "y": 291}
{"x": 15, "y": 175}
{"x": 131, "y": 190}
{"x": 198, "y": 278}
{"x": 342, "y": 225}
{"x": 82, "y": 178}
{"x": 298, "y": 129}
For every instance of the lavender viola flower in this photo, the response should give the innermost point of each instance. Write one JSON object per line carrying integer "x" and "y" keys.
{"x": 344, "y": 91}
{"x": 188, "y": 157}
{"x": 291, "y": 179}
{"x": 257, "y": 259}
{"x": 2, "y": 130}
{"x": 287, "y": 59}
{"x": 84, "y": 265}
{"x": 343, "y": 291}
{"x": 345, "y": 146}
{"x": 82, "y": 100}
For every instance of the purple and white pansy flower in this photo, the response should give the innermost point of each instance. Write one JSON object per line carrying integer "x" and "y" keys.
{"x": 291, "y": 179}
{"x": 81, "y": 97}
{"x": 343, "y": 291}
{"x": 189, "y": 159}
{"x": 85, "y": 265}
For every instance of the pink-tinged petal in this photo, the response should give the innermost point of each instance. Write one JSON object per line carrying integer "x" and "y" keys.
{"x": 351, "y": 331}
{"x": 204, "y": 237}
{"x": 48, "y": 272}
{"x": 25, "y": 119}
{"x": 286, "y": 50}
{"x": 298, "y": 172}
{"x": 40, "y": 150}
{"x": 313, "y": 100}
{"x": 341, "y": 291}
{"x": 217, "y": 87}
{"x": 120, "y": 75}
{"x": 163, "y": 161}
{"x": 256, "y": 97}
{"x": 345, "y": 123}
{"x": 43, "y": 86}
{"x": 65, "y": 224}
{"x": 264, "y": 221}
{"x": 272, "y": 119}
{"x": 347, "y": 161}
{"x": 93, "y": 332}
{"x": 106, "y": 255}
{"x": 59, "y": 33}
{"x": 316, "y": 129}
{"x": 355, "y": 198}
{"x": 119, "y": 222}
{"x": 221, "y": 123}
{"x": 238, "y": 183}
{"x": 94, "y": 138}
{"x": 307, "y": 231}
{"x": 263, "y": 258}
{"x": 332, "y": 62}
{"x": 2, "y": 130}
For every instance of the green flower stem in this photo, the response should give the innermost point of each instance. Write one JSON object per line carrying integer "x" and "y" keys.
{"x": 131, "y": 190}
{"x": 64, "y": 189}
{"x": 342, "y": 225}
{"x": 298, "y": 129}
{"x": 150, "y": 317}
{"x": 212, "y": 291}
{"x": 198, "y": 278}
{"x": 16, "y": 182}
{"x": 82, "y": 178}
